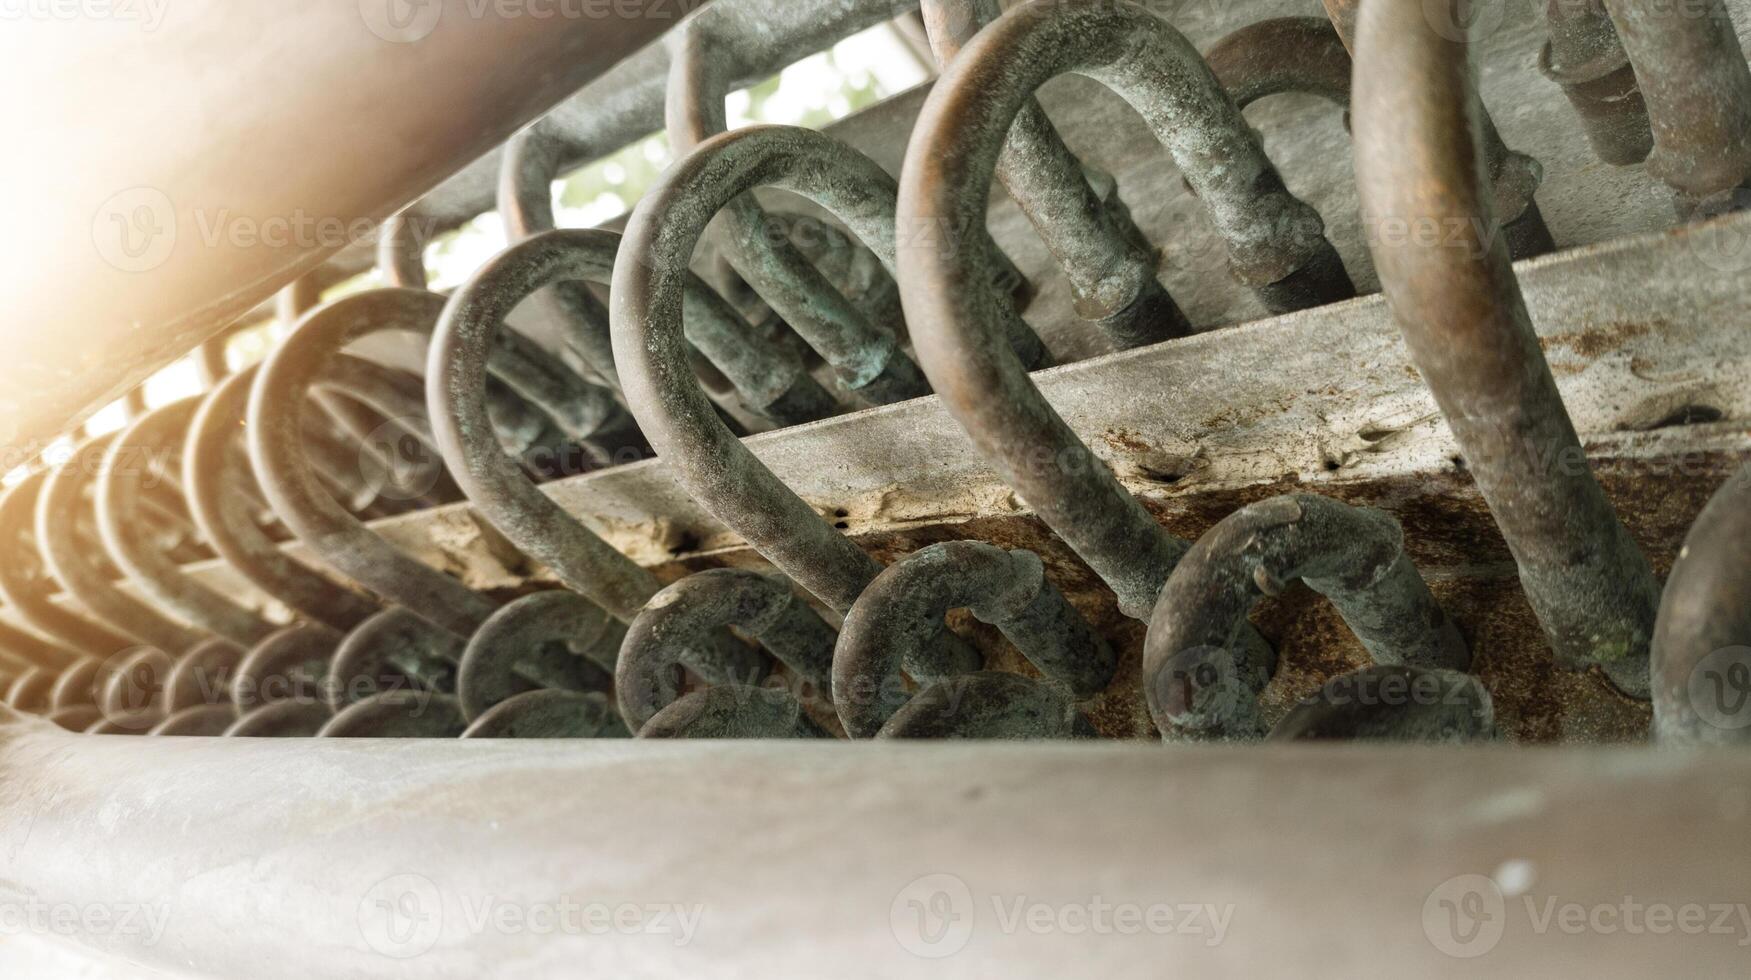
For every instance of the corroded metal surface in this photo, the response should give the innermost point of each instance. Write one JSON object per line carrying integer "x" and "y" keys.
{"x": 1200, "y": 684}
{"x": 1457, "y": 299}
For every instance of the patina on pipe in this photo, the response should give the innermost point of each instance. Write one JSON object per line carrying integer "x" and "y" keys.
{"x": 1420, "y": 167}
{"x": 1693, "y": 75}
{"x": 1106, "y": 257}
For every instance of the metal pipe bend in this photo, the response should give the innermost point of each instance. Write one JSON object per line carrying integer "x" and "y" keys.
{"x": 24, "y": 578}
{"x": 62, "y": 516}
{"x": 457, "y": 371}
{"x": 123, "y": 468}
{"x": 650, "y": 283}
{"x": 1276, "y": 243}
{"x": 901, "y": 614}
{"x": 1283, "y": 54}
{"x": 214, "y": 463}
{"x": 550, "y": 640}
{"x": 1459, "y": 306}
{"x": 1702, "y": 640}
{"x": 647, "y": 678}
{"x": 1200, "y": 686}
{"x": 866, "y": 355}
{"x": 275, "y": 426}
{"x": 1109, "y": 262}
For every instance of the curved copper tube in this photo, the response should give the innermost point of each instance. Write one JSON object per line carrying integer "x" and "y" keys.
{"x": 1459, "y": 306}
{"x": 21, "y": 650}
{"x": 1693, "y": 76}
{"x": 399, "y": 714}
{"x": 1276, "y": 243}
{"x": 866, "y": 356}
{"x": 901, "y": 613}
{"x": 550, "y": 713}
{"x": 648, "y": 676}
{"x": 62, "y": 514}
{"x": 125, "y": 465}
{"x": 1200, "y": 685}
{"x": 457, "y": 371}
{"x": 1514, "y": 176}
{"x": 551, "y": 640}
{"x": 26, "y": 583}
{"x": 214, "y": 463}
{"x": 1105, "y": 256}
{"x": 275, "y": 432}
{"x": 650, "y": 282}
{"x": 1702, "y": 640}
{"x": 1585, "y": 56}
{"x": 1283, "y": 54}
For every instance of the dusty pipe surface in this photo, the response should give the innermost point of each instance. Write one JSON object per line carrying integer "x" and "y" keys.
{"x": 214, "y": 464}
{"x": 1284, "y": 54}
{"x": 1459, "y": 306}
{"x": 1275, "y": 242}
{"x": 138, "y": 256}
{"x": 129, "y": 462}
{"x": 1585, "y": 56}
{"x": 648, "y": 676}
{"x": 866, "y": 355}
{"x": 1514, "y": 176}
{"x": 441, "y": 830}
{"x": 457, "y": 373}
{"x": 1201, "y": 685}
{"x": 27, "y": 585}
{"x": 1702, "y": 642}
{"x": 547, "y": 640}
{"x": 72, "y": 557}
{"x": 1697, "y": 86}
{"x": 646, "y": 301}
{"x": 954, "y": 322}
{"x": 276, "y": 404}
{"x": 898, "y": 617}
{"x": 1108, "y": 260}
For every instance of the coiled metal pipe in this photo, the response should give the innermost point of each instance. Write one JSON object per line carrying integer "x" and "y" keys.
{"x": 1106, "y": 257}
{"x": 1702, "y": 641}
{"x": 1201, "y": 685}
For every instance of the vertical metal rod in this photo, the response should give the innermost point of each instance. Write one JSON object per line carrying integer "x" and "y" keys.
{"x": 1420, "y": 166}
